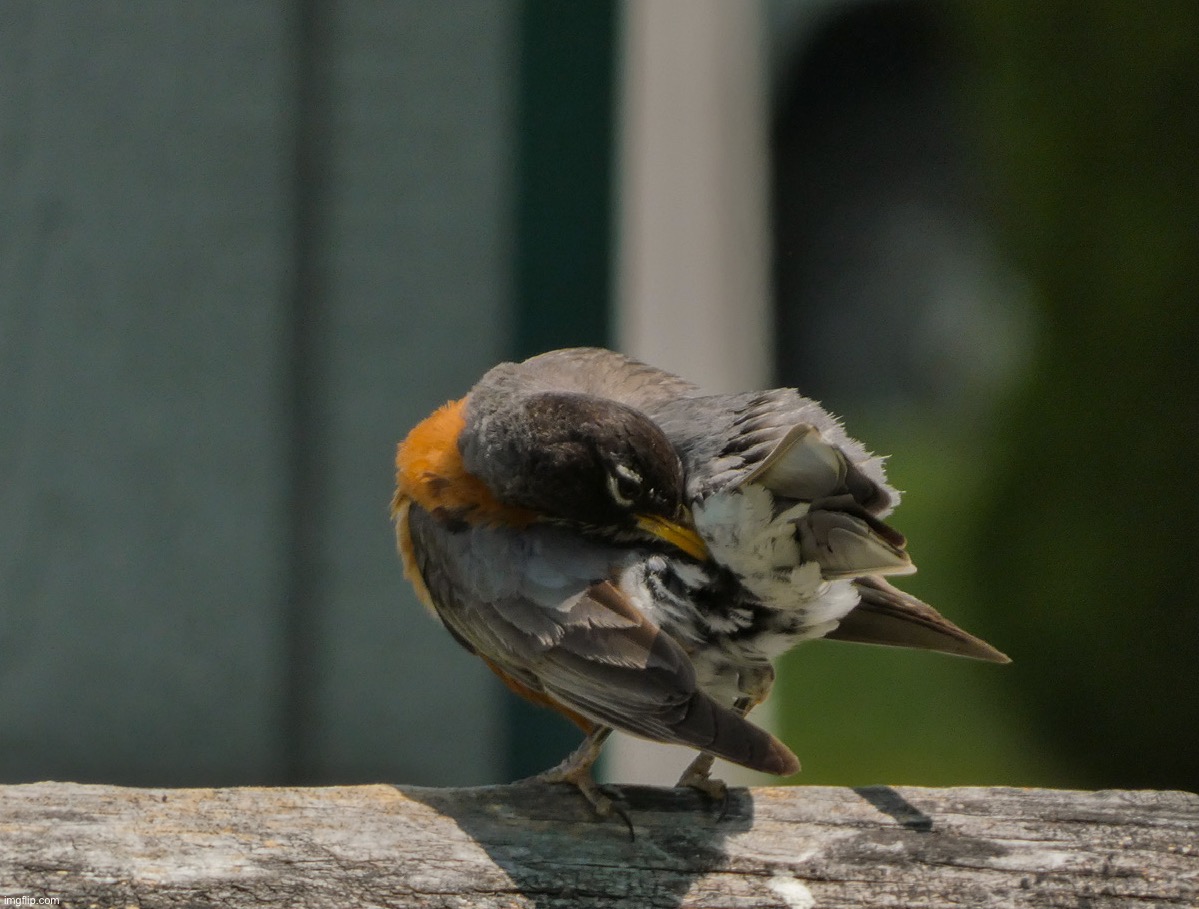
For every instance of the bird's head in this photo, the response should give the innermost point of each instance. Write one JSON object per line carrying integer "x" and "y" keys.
{"x": 580, "y": 459}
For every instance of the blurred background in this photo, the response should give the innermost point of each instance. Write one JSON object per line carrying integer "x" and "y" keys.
{"x": 244, "y": 246}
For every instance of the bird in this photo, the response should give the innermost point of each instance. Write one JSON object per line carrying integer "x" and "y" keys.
{"x": 634, "y": 553}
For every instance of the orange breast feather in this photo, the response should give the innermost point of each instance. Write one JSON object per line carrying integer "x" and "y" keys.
{"x": 430, "y": 472}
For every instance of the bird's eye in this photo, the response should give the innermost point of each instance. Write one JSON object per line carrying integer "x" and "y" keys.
{"x": 624, "y": 485}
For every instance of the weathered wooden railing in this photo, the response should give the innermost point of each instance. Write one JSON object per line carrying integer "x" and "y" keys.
{"x": 539, "y": 846}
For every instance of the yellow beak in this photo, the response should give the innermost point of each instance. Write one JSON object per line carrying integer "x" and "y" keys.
{"x": 676, "y": 535}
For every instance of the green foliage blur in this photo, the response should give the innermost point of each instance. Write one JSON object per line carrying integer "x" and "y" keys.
{"x": 1061, "y": 523}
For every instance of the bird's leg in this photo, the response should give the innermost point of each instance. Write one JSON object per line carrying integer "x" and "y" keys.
{"x": 576, "y": 770}
{"x": 757, "y": 684}
{"x": 698, "y": 774}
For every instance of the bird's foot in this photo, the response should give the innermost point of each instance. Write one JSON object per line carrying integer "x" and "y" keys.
{"x": 698, "y": 776}
{"x": 716, "y": 790}
{"x": 576, "y": 770}
{"x": 605, "y": 800}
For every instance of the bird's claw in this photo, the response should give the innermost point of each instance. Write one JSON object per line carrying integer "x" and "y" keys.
{"x": 605, "y": 800}
{"x": 698, "y": 776}
{"x": 716, "y": 790}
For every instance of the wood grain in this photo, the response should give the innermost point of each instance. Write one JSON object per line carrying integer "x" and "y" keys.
{"x": 532, "y": 845}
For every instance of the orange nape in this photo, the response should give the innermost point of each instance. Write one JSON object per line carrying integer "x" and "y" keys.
{"x": 430, "y": 472}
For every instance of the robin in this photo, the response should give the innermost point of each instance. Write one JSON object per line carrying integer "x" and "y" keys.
{"x": 618, "y": 546}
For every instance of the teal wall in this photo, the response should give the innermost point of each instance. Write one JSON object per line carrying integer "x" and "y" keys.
{"x": 243, "y": 247}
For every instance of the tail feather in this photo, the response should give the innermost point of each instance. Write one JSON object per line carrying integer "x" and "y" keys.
{"x": 723, "y": 732}
{"x": 888, "y": 616}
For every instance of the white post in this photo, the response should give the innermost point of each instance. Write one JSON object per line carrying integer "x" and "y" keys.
{"x": 693, "y": 251}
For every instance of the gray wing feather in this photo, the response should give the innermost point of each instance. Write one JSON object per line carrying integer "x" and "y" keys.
{"x": 571, "y": 638}
{"x": 538, "y": 603}
{"x": 724, "y": 439}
